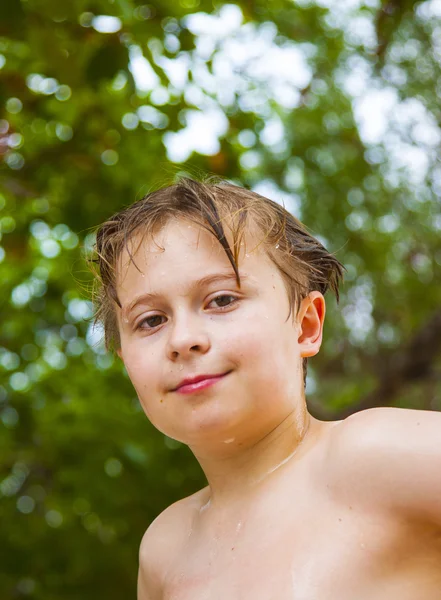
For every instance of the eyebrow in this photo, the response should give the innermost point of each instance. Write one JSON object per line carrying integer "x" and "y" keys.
{"x": 208, "y": 279}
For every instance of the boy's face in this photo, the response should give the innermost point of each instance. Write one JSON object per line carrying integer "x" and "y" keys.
{"x": 194, "y": 321}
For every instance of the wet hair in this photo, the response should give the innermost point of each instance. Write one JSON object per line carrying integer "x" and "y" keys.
{"x": 221, "y": 208}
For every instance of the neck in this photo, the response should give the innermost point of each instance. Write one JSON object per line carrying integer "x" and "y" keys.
{"x": 252, "y": 463}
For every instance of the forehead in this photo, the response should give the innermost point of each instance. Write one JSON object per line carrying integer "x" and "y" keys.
{"x": 181, "y": 245}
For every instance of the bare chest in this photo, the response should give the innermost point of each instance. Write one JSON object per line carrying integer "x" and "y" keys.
{"x": 335, "y": 554}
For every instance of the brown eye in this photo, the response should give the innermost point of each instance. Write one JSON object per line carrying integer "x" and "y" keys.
{"x": 152, "y": 322}
{"x": 224, "y": 300}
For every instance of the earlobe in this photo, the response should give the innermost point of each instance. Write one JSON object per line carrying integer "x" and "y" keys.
{"x": 311, "y": 318}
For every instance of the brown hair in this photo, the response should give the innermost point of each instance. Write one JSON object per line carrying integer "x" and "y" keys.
{"x": 303, "y": 261}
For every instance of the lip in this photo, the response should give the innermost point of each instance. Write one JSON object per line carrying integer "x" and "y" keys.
{"x": 200, "y": 382}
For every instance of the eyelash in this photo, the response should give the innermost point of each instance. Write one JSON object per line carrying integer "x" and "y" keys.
{"x": 221, "y": 308}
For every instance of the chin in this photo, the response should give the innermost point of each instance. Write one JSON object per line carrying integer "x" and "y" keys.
{"x": 209, "y": 428}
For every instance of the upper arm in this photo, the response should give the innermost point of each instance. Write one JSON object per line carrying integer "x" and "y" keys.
{"x": 149, "y": 572}
{"x": 392, "y": 457}
{"x": 160, "y": 546}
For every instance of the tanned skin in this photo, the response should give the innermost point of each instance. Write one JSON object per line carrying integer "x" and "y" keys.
{"x": 295, "y": 508}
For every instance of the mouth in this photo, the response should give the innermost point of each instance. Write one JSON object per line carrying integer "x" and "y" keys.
{"x": 196, "y": 384}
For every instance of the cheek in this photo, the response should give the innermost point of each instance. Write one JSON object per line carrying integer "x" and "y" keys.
{"x": 142, "y": 369}
{"x": 145, "y": 383}
{"x": 267, "y": 343}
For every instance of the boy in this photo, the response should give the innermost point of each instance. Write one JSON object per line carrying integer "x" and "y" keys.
{"x": 213, "y": 298}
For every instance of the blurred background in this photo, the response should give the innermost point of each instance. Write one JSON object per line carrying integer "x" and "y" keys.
{"x": 332, "y": 108}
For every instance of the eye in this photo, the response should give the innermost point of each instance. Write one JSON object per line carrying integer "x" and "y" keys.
{"x": 224, "y": 300}
{"x": 152, "y": 322}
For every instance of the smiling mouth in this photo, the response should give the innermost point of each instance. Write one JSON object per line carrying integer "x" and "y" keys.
{"x": 201, "y": 384}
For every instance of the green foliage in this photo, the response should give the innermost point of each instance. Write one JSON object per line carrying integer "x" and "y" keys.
{"x": 83, "y": 473}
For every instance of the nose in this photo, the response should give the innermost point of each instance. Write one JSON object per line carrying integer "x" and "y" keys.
{"x": 188, "y": 338}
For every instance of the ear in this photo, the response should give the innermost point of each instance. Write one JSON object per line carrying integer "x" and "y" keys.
{"x": 119, "y": 352}
{"x": 310, "y": 317}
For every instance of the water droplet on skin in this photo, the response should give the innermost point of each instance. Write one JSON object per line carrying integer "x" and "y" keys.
{"x": 126, "y": 320}
{"x": 181, "y": 367}
{"x": 277, "y": 246}
{"x": 247, "y": 256}
{"x": 229, "y": 441}
{"x": 205, "y": 506}
{"x": 239, "y": 527}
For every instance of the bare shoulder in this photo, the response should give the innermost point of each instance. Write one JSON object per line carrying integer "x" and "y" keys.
{"x": 162, "y": 542}
{"x": 380, "y": 432}
{"x": 390, "y": 458}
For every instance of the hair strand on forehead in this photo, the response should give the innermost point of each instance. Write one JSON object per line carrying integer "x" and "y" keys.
{"x": 215, "y": 223}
